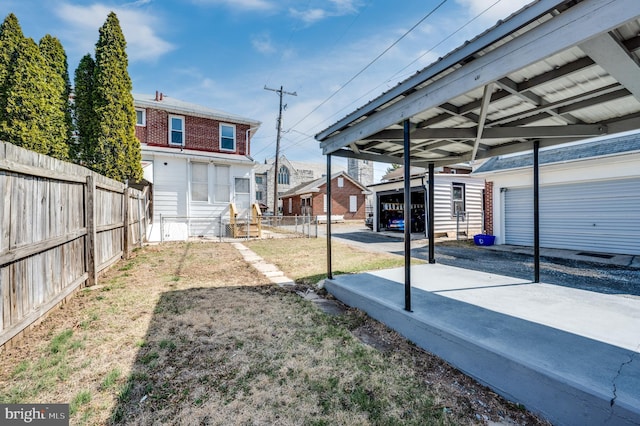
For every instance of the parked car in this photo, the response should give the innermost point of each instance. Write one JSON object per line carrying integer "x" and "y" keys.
{"x": 396, "y": 224}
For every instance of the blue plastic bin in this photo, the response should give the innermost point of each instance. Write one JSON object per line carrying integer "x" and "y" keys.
{"x": 484, "y": 239}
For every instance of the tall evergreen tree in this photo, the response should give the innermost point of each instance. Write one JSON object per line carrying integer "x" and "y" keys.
{"x": 10, "y": 37}
{"x": 86, "y": 121}
{"x": 26, "y": 105}
{"x": 57, "y": 115}
{"x": 117, "y": 144}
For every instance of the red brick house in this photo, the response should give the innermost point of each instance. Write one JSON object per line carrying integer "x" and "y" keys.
{"x": 197, "y": 159}
{"x": 310, "y": 198}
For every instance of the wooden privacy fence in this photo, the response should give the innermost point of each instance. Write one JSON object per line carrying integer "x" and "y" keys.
{"x": 60, "y": 226}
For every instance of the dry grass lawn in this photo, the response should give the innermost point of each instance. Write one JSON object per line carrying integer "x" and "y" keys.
{"x": 188, "y": 333}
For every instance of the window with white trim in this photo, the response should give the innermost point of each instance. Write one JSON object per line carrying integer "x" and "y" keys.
{"x": 340, "y": 182}
{"x": 199, "y": 181}
{"x": 353, "y": 203}
{"x": 227, "y": 137}
{"x": 222, "y": 184}
{"x": 141, "y": 117}
{"x": 457, "y": 199}
{"x": 176, "y": 130}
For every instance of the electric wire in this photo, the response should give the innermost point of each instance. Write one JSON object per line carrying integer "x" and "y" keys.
{"x": 397, "y": 73}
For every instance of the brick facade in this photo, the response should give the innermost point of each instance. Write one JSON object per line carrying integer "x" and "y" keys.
{"x": 200, "y": 134}
{"x": 340, "y": 198}
{"x": 488, "y": 207}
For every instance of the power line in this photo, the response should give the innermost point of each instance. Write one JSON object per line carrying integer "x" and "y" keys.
{"x": 399, "y": 71}
{"x": 373, "y": 61}
{"x": 280, "y": 93}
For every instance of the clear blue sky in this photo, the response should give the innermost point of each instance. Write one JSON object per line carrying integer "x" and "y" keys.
{"x": 222, "y": 53}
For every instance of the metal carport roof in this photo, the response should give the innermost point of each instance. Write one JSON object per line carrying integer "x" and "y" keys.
{"x": 556, "y": 71}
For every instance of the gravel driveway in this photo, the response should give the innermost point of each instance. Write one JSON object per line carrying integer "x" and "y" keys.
{"x": 586, "y": 275}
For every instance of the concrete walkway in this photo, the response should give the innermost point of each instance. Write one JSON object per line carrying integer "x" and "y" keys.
{"x": 275, "y": 275}
{"x": 570, "y": 355}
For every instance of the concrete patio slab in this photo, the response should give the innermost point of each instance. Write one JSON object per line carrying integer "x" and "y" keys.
{"x": 569, "y": 355}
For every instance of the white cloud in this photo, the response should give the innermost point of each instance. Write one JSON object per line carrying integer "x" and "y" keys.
{"x": 138, "y": 27}
{"x": 258, "y": 5}
{"x": 308, "y": 16}
{"x": 263, "y": 44}
{"x": 336, "y": 8}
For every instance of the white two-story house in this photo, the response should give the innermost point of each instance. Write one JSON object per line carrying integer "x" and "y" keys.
{"x": 197, "y": 160}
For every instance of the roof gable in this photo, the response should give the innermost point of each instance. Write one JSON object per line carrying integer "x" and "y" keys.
{"x": 583, "y": 151}
{"x": 169, "y": 104}
{"x": 315, "y": 185}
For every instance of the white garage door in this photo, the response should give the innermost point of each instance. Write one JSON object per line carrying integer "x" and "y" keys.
{"x": 601, "y": 216}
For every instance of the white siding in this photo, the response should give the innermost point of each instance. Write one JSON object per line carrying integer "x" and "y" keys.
{"x": 172, "y": 197}
{"x": 445, "y": 221}
{"x": 169, "y": 187}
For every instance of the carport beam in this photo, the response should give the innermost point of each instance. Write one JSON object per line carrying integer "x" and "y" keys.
{"x": 407, "y": 215}
{"x": 329, "y": 273}
{"x": 536, "y": 212}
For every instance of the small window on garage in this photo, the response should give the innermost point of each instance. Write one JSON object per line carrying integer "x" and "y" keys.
{"x": 457, "y": 199}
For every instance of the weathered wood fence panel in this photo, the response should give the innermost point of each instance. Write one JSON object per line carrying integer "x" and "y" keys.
{"x": 60, "y": 225}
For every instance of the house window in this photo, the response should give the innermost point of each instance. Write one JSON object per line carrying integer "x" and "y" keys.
{"x": 353, "y": 203}
{"x": 199, "y": 182}
{"x": 258, "y": 195}
{"x": 457, "y": 199}
{"x": 259, "y": 180}
{"x": 283, "y": 176}
{"x": 141, "y": 117}
{"x": 176, "y": 130}
{"x": 243, "y": 199}
{"x": 222, "y": 184}
{"x": 340, "y": 182}
{"x": 290, "y": 205}
{"x": 227, "y": 137}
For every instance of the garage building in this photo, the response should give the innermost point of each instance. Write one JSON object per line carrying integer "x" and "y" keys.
{"x": 589, "y": 196}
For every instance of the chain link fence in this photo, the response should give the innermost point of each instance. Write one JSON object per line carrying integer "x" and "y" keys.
{"x": 294, "y": 226}
{"x": 181, "y": 228}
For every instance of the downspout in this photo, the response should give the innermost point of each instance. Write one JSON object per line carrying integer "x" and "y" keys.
{"x": 536, "y": 212}
{"x": 432, "y": 226}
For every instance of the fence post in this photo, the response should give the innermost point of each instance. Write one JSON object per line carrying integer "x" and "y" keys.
{"x": 139, "y": 220}
{"x": 125, "y": 233}
{"x": 90, "y": 241}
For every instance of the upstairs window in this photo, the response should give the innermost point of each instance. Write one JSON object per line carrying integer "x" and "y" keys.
{"x": 227, "y": 137}
{"x": 176, "y": 130}
{"x": 141, "y": 117}
{"x": 283, "y": 176}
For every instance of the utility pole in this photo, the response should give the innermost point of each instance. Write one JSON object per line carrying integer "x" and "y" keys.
{"x": 280, "y": 92}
